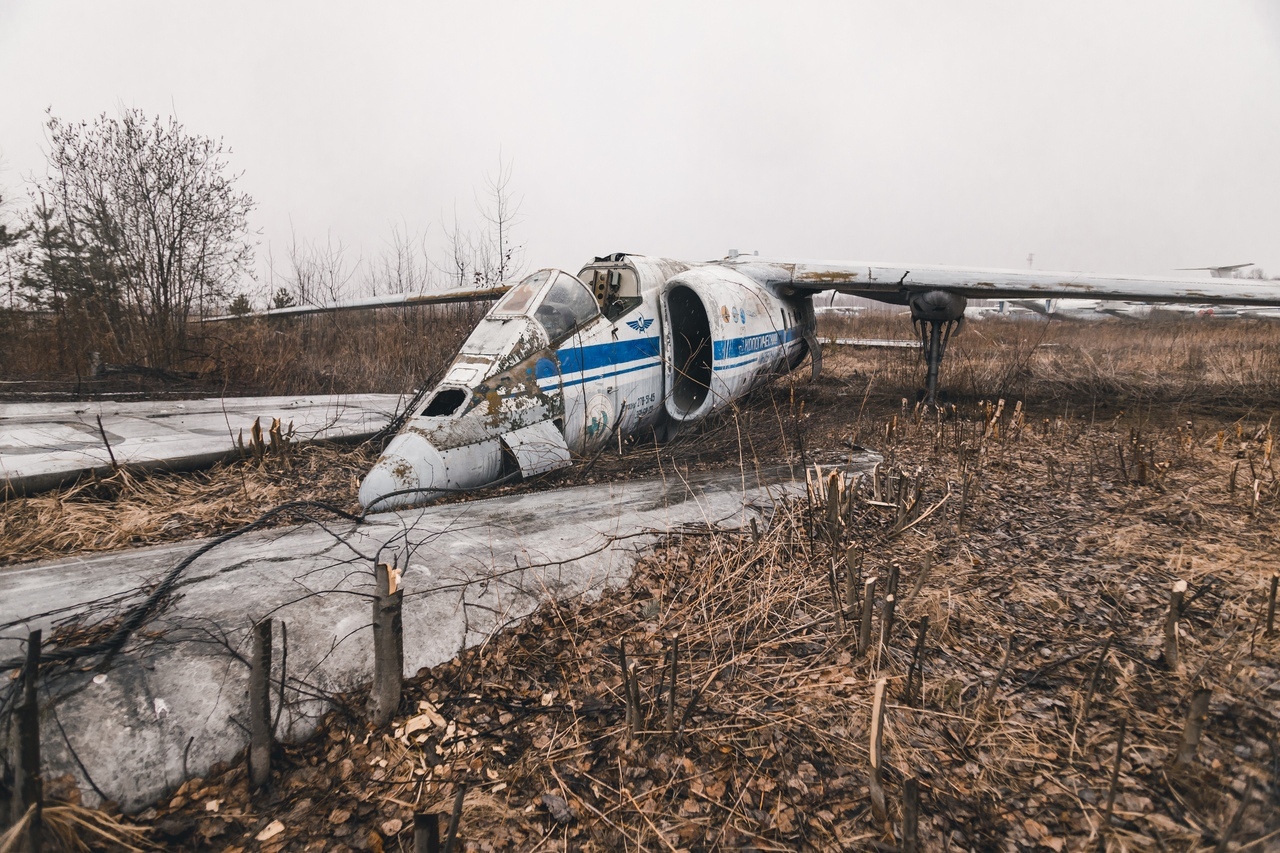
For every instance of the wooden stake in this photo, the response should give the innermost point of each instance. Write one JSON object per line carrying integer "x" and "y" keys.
{"x": 1115, "y": 774}
{"x": 626, "y": 686}
{"x": 426, "y": 833}
{"x": 868, "y": 605}
{"x": 915, "y": 674}
{"x": 886, "y": 625}
{"x": 388, "y": 644}
{"x": 1271, "y": 606}
{"x": 924, "y": 574}
{"x": 671, "y": 692}
{"x": 637, "y": 711}
{"x": 451, "y": 838}
{"x": 1093, "y": 679}
{"x": 28, "y": 786}
{"x": 1171, "y": 624}
{"x": 1197, "y": 711}
{"x": 990, "y": 695}
{"x": 878, "y": 806}
{"x": 835, "y": 497}
{"x": 1088, "y": 696}
{"x": 853, "y": 580}
{"x": 835, "y": 598}
{"x": 260, "y": 738}
{"x": 911, "y": 815}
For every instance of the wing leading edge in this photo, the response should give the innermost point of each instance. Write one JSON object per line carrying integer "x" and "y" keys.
{"x": 897, "y": 283}
{"x": 394, "y": 300}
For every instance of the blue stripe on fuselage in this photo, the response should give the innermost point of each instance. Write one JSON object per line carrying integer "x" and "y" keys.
{"x": 622, "y": 355}
{"x": 580, "y": 359}
{"x": 726, "y": 350}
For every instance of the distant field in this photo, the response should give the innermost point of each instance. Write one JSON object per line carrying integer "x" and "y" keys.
{"x": 1176, "y": 360}
{"x": 314, "y": 354}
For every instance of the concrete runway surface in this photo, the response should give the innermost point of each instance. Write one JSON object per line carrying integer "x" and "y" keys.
{"x": 43, "y": 445}
{"x": 174, "y": 702}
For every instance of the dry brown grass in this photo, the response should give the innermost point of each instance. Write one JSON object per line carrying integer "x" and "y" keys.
{"x": 125, "y": 510}
{"x": 1143, "y": 458}
{"x": 390, "y": 350}
{"x": 1192, "y": 361}
{"x": 1061, "y": 536}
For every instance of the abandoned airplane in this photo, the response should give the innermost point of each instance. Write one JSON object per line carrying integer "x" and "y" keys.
{"x": 563, "y": 363}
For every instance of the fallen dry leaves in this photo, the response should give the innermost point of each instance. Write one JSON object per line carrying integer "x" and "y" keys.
{"x": 1059, "y": 540}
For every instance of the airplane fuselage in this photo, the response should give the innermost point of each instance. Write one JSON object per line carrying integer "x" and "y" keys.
{"x": 563, "y": 363}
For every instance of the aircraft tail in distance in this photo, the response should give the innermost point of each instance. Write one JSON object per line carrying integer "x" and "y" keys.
{"x": 1217, "y": 272}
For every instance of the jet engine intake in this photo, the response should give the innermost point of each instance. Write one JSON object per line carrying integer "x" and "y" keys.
{"x": 691, "y": 347}
{"x": 937, "y": 306}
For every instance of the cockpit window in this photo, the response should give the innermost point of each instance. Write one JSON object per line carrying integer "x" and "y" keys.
{"x": 567, "y": 304}
{"x": 520, "y": 297}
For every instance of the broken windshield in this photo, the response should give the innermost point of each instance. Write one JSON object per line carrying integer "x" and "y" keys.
{"x": 567, "y": 304}
{"x": 520, "y": 297}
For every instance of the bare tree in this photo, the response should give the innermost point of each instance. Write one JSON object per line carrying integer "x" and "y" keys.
{"x": 160, "y": 202}
{"x": 493, "y": 256}
{"x": 404, "y": 266}
{"x": 11, "y": 238}
{"x": 502, "y": 257}
{"x": 317, "y": 274}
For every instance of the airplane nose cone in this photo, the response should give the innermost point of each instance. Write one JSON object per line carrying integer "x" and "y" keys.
{"x": 390, "y": 475}
{"x": 412, "y": 471}
{"x": 409, "y": 472}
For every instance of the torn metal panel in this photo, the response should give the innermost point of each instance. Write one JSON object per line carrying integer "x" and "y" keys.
{"x": 538, "y": 448}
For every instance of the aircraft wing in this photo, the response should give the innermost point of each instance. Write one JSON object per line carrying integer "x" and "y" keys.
{"x": 895, "y": 283}
{"x": 393, "y": 300}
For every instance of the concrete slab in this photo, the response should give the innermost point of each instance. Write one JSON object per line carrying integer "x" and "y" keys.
{"x": 43, "y": 445}
{"x": 174, "y": 703}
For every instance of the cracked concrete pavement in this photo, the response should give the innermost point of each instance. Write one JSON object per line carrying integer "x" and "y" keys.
{"x": 43, "y": 445}
{"x": 174, "y": 702}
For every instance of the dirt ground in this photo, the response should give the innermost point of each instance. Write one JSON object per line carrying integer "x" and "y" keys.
{"x": 1034, "y": 690}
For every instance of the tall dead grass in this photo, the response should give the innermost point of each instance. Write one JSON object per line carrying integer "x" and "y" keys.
{"x": 390, "y": 350}
{"x": 127, "y": 510}
{"x": 1193, "y": 360}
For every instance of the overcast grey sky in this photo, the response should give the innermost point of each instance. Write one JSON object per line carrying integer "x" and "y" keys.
{"x": 1105, "y": 136}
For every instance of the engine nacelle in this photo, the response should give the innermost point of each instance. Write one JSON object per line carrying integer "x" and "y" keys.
{"x": 937, "y": 306}
{"x": 724, "y": 333}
